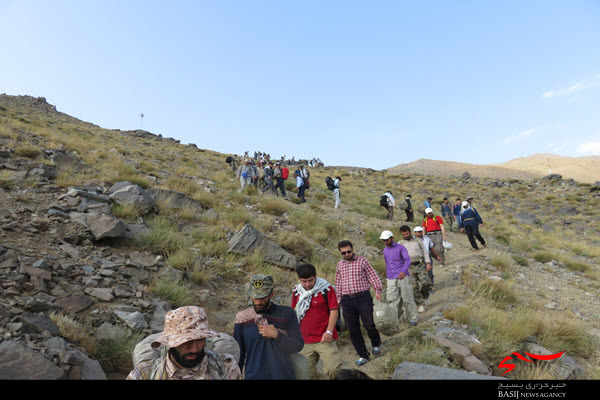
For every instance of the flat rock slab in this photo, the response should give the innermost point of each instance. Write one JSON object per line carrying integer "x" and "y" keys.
{"x": 250, "y": 240}
{"x": 20, "y": 362}
{"x": 415, "y": 371}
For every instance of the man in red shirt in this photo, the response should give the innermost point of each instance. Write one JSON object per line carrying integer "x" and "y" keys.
{"x": 316, "y": 306}
{"x": 434, "y": 228}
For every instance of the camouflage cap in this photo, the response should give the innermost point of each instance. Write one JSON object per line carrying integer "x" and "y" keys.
{"x": 260, "y": 286}
{"x": 184, "y": 324}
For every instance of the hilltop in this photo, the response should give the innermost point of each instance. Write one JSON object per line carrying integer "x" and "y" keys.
{"x": 102, "y": 231}
{"x": 536, "y": 166}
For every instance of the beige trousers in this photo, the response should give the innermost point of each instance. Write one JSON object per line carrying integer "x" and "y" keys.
{"x": 401, "y": 291}
{"x": 328, "y": 352}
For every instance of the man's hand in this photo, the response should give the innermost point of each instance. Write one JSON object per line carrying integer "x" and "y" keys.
{"x": 378, "y": 296}
{"x": 327, "y": 338}
{"x": 402, "y": 275}
{"x": 428, "y": 267}
{"x": 268, "y": 331}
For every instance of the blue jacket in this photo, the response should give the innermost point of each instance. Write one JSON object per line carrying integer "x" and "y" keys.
{"x": 269, "y": 358}
{"x": 446, "y": 210}
{"x": 469, "y": 217}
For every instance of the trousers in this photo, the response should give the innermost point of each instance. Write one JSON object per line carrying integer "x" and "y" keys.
{"x": 356, "y": 309}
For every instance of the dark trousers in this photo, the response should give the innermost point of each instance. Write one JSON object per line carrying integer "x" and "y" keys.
{"x": 356, "y": 309}
{"x": 301, "y": 190}
{"x": 472, "y": 232}
{"x": 281, "y": 185}
{"x": 410, "y": 216}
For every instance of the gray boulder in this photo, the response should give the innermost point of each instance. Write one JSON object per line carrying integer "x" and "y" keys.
{"x": 133, "y": 195}
{"x": 414, "y": 371}
{"x": 250, "y": 240}
{"x": 20, "y": 362}
{"x": 100, "y": 225}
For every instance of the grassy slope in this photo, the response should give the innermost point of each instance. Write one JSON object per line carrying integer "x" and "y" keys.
{"x": 312, "y": 230}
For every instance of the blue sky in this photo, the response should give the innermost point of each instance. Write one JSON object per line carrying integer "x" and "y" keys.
{"x": 362, "y": 83}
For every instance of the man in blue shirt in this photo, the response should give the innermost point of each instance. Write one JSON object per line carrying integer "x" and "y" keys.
{"x": 267, "y": 334}
{"x": 399, "y": 287}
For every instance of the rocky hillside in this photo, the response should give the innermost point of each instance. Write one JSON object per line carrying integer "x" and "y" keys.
{"x": 103, "y": 231}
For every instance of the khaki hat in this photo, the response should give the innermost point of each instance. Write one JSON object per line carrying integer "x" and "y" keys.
{"x": 182, "y": 325}
{"x": 260, "y": 286}
{"x": 385, "y": 235}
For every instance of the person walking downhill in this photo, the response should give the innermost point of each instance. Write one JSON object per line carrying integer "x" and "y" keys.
{"x": 245, "y": 174}
{"x": 300, "y": 186}
{"x": 269, "y": 179}
{"x": 336, "y": 192}
{"x": 410, "y": 215}
{"x": 354, "y": 277}
{"x": 430, "y": 246}
{"x": 469, "y": 223}
{"x": 186, "y": 358}
{"x": 280, "y": 182}
{"x": 456, "y": 213}
{"x": 305, "y": 174}
{"x": 399, "y": 288}
{"x": 316, "y": 306}
{"x": 420, "y": 267}
{"x": 434, "y": 228}
{"x": 267, "y": 334}
{"x": 387, "y": 201}
{"x": 447, "y": 213}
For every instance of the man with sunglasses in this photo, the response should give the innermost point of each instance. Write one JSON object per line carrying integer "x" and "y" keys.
{"x": 354, "y": 277}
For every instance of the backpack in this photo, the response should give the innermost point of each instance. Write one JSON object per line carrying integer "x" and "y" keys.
{"x": 285, "y": 172}
{"x": 329, "y": 183}
{"x": 228, "y": 160}
{"x": 383, "y": 201}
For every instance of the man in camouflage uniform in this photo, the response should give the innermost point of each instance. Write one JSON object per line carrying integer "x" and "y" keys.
{"x": 185, "y": 357}
{"x": 420, "y": 266}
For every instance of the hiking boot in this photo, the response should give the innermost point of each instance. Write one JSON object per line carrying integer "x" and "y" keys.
{"x": 376, "y": 350}
{"x": 428, "y": 302}
{"x": 421, "y": 309}
{"x": 362, "y": 361}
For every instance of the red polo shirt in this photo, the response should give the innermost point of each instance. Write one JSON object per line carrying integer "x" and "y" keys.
{"x": 315, "y": 321}
{"x": 433, "y": 224}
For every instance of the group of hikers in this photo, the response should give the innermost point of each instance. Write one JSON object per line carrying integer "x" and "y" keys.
{"x": 276, "y": 341}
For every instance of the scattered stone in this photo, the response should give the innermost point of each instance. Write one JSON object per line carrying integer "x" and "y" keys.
{"x": 250, "y": 240}
{"x": 414, "y": 371}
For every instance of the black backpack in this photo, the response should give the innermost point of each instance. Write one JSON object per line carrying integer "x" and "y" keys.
{"x": 383, "y": 201}
{"x": 329, "y": 183}
{"x": 228, "y": 160}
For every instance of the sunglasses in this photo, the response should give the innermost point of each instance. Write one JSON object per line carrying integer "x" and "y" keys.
{"x": 346, "y": 252}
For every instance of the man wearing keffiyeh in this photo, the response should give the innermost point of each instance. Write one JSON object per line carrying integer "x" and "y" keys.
{"x": 316, "y": 306}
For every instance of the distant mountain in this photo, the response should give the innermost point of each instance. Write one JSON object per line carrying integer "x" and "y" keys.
{"x": 581, "y": 169}
{"x": 451, "y": 168}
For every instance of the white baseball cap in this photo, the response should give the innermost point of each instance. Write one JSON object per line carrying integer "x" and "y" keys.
{"x": 465, "y": 203}
{"x": 418, "y": 229}
{"x": 428, "y": 210}
{"x": 385, "y": 235}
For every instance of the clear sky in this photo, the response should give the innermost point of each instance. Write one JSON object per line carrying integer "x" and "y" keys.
{"x": 362, "y": 83}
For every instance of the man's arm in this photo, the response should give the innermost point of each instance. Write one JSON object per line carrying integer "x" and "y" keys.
{"x": 373, "y": 279}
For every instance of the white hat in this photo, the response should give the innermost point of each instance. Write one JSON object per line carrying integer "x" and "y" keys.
{"x": 418, "y": 229}
{"x": 428, "y": 210}
{"x": 385, "y": 235}
{"x": 465, "y": 203}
